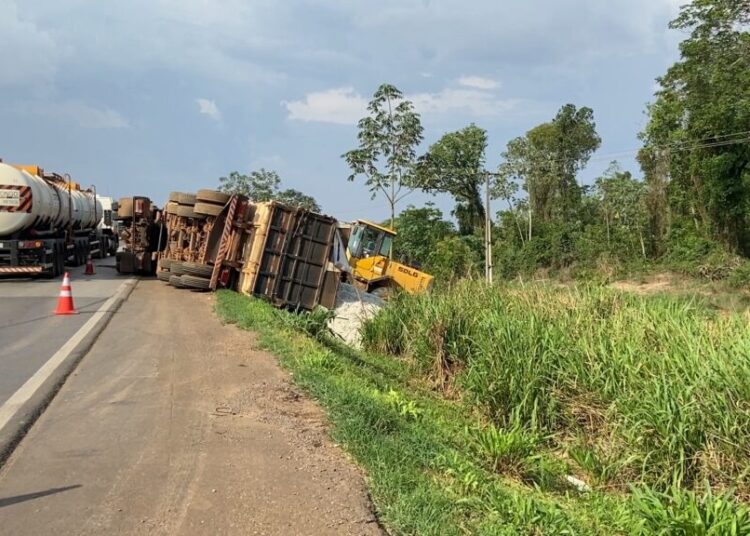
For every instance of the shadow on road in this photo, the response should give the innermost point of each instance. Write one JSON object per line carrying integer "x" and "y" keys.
{"x": 8, "y": 501}
{"x": 84, "y": 310}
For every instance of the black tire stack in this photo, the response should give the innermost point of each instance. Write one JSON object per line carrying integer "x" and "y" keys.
{"x": 204, "y": 204}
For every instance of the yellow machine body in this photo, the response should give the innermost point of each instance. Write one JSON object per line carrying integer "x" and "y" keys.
{"x": 369, "y": 252}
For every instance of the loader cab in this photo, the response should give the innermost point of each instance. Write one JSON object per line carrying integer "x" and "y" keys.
{"x": 369, "y": 240}
{"x": 369, "y": 255}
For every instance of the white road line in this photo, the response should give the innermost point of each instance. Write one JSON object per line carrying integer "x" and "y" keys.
{"x": 32, "y": 385}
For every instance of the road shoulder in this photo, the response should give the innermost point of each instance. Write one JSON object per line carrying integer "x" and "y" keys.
{"x": 177, "y": 424}
{"x": 19, "y": 413}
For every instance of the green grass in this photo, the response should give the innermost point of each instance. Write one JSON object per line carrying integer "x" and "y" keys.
{"x": 497, "y": 394}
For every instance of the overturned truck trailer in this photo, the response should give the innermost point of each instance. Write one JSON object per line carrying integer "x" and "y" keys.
{"x": 287, "y": 257}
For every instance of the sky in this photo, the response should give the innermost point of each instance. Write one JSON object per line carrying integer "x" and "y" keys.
{"x": 142, "y": 97}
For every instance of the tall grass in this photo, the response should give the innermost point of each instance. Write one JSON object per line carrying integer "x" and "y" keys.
{"x": 649, "y": 390}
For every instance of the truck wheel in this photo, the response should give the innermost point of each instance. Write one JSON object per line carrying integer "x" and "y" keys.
{"x": 185, "y": 199}
{"x": 186, "y": 211}
{"x": 212, "y": 196}
{"x": 176, "y": 281}
{"x": 200, "y": 270}
{"x": 198, "y": 283}
{"x": 175, "y": 268}
{"x": 125, "y": 208}
{"x": 59, "y": 261}
{"x": 208, "y": 209}
{"x": 182, "y": 198}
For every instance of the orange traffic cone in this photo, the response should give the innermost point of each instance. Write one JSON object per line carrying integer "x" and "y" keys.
{"x": 65, "y": 301}
{"x": 89, "y": 267}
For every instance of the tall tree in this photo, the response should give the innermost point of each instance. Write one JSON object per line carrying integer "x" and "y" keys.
{"x": 295, "y": 198}
{"x": 455, "y": 165}
{"x": 388, "y": 140}
{"x": 419, "y": 231}
{"x": 264, "y": 185}
{"x": 622, "y": 204}
{"x": 697, "y": 145}
{"x": 261, "y": 185}
{"x": 546, "y": 161}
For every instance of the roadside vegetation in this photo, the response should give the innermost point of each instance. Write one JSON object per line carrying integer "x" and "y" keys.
{"x": 510, "y": 410}
{"x": 549, "y": 408}
{"x": 686, "y": 211}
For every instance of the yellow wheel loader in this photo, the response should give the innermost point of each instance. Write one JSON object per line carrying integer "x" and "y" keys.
{"x": 369, "y": 255}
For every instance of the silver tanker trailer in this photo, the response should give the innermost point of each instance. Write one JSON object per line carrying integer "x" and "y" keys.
{"x": 48, "y": 221}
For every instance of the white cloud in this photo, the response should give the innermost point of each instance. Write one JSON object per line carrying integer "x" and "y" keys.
{"x": 342, "y": 106}
{"x": 209, "y": 108}
{"x": 477, "y": 82}
{"x": 74, "y": 112}
{"x": 467, "y": 101}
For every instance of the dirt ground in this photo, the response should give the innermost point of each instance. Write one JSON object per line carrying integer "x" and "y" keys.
{"x": 175, "y": 424}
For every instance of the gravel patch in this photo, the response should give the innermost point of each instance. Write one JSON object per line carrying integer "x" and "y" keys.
{"x": 353, "y": 308}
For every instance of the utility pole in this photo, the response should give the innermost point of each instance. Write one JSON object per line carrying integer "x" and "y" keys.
{"x": 487, "y": 232}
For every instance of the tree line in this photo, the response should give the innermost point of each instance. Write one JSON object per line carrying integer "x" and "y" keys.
{"x": 689, "y": 210}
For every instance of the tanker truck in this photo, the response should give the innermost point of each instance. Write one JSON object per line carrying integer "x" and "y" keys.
{"x": 46, "y": 222}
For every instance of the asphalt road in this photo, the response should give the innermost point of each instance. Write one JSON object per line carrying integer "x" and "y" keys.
{"x": 174, "y": 424}
{"x": 30, "y": 333}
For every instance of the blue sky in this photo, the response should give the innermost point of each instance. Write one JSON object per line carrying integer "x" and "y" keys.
{"x": 149, "y": 96}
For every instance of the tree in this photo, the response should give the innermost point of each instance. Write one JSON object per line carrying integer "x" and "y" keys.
{"x": 455, "y": 257}
{"x": 419, "y": 231}
{"x": 295, "y": 198}
{"x": 263, "y": 185}
{"x": 260, "y": 186}
{"x": 388, "y": 139}
{"x": 546, "y": 161}
{"x": 698, "y": 125}
{"x": 622, "y": 204}
{"x": 506, "y": 188}
{"x": 455, "y": 165}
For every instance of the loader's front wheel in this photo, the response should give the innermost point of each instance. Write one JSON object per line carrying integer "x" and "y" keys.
{"x": 382, "y": 292}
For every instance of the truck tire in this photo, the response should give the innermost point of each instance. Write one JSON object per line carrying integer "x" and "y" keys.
{"x": 125, "y": 208}
{"x": 164, "y": 276}
{"x": 200, "y": 270}
{"x": 186, "y": 199}
{"x": 186, "y": 211}
{"x": 175, "y": 268}
{"x": 208, "y": 209}
{"x": 182, "y": 198}
{"x": 212, "y": 196}
{"x": 197, "y": 283}
{"x": 176, "y": 281}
